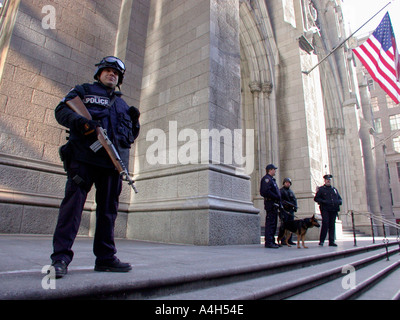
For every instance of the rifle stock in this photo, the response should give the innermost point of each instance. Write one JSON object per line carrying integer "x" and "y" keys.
{"x": 77, "y": 105}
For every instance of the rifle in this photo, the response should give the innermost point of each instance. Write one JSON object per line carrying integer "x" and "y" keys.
{"x": 282, "y": 212}
{"x": 77, "y": 105}
{"x": 289, "y": 204}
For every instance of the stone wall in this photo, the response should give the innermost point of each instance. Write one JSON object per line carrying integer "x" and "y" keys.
{"x": 53, "y": 47}
{"x": 191, "y": 83}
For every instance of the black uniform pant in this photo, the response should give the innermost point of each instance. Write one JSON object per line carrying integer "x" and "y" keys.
{"x": 328, "y": 225}
{"x": 81, "y": 177}
{"x": 271, "y": 222}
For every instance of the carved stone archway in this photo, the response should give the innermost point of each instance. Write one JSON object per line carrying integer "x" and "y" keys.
{"x": 259, "y": 60}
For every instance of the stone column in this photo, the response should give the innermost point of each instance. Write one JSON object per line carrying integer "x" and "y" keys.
{"x": 339, "y": 166}
{"x": 255, "y": 89}
{"x": 371, "y": 182}
{"x": 191, "y": 91}
{"x": 353, "y": 164}
{"x": 271, "y": 119}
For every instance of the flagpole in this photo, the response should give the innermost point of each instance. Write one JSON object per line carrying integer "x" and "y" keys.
{"x": 345, "y": 40}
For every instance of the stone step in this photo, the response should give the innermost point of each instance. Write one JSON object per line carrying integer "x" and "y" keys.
{"x": 165, "y": 270}
{"x": 348, "y": 232}
{"x": 283, "y": 284}
{"x": 237, "y": 275}
{"x": 384, "y": 285}
{"x": 361, "y": 278}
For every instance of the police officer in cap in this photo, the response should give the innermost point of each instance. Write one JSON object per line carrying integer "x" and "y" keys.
{"x": 329, "y": 201}
{"x": 85, "y": 167}
{"x": 272, "y": 201}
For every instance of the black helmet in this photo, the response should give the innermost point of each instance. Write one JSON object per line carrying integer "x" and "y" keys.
{"x": 111, "y": 62}
{"x": 287, "y": 180}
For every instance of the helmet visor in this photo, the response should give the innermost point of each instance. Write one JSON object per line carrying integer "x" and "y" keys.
{"x": 113, "y": 61}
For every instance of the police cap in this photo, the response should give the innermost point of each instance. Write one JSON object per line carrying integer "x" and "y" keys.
{"x": 328, "y": 177}
{"x": 270, "y": 167}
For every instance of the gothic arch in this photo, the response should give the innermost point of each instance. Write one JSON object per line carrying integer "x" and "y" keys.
{"x": 259, "y": 61}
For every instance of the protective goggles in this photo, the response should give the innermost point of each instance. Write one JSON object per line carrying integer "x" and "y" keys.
{"x": 112, "y": 61}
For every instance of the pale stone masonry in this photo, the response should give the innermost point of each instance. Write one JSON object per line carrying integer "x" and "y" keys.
{"x": 231, "y": 70}
{"x": 191, "y": 81}
{"x": 41, "y": 66}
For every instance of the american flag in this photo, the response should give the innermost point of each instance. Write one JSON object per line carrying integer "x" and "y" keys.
{"x": 380, "y": 57}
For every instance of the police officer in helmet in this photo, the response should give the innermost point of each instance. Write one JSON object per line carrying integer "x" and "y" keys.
{"x": 86, "y": 168}
{"x": 289, "y": 202}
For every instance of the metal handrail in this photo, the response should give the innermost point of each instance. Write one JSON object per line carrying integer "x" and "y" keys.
{"x": 385, "y": 222}
{"x": 377, "y": 218}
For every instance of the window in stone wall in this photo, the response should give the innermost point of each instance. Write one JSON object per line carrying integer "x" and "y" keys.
{"x": 390, "y": 103}
{"x": 371, "y": 85}
{"x": 374, "y": 104}
{"x": 396, "y": 144}
{"x": 378, "y": 125}
{"x": 394, "y": 122}
{"x": 398, "y": 170}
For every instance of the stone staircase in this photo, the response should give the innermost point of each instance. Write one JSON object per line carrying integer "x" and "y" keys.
{"x": 348, "y": 233}
{"x": 184, "y": 272}
{"x": 356, "y": 273}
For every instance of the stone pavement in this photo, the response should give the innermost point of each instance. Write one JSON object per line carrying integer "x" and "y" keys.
{"x": 22, "y": 258}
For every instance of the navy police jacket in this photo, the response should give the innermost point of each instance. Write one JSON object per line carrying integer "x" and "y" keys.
{"x": 328, "y": 198}
{"x": 110, "y": 111}
{"x": 270, "y": 191}
{"x": 288, "y": 195}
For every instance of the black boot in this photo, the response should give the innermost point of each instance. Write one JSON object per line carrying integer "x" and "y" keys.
{"x": 60, "y": 267}
{"x": 114, "y": 266}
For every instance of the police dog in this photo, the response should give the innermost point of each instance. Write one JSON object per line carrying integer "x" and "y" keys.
{"x": 298, "y": 227}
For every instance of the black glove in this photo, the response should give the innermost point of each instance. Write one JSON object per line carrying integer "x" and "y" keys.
{"x": 86, "y": 127}
{"x": 134, "y": 113}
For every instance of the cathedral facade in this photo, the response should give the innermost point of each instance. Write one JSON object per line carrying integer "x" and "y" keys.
{"x": 224, "y": 87}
